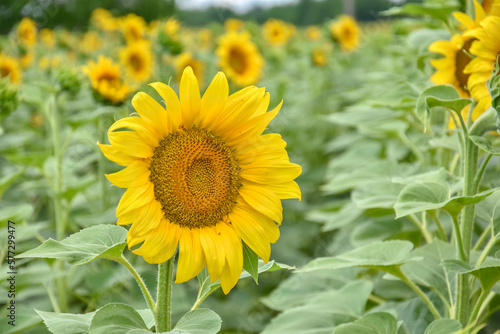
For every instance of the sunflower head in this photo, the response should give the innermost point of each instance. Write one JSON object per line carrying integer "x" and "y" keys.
{"x": 133, "y": 27}
{"x": 205, "y": 37}
{"x": 171, "y": 28}
{"x": 346, "y": 32}
{"x": 240, "y": 58}
{"x": 26, "y": 32}
{"x": 137, "y": 59}
{"x": 233, "y": 24}
{"x": 106, "y": 80}
{"x": 186, "y": 59}
{"x": 91, "y": 42}
{"x": 201, "y": 176}
{"x": 276, "y": 32}
{"x": 319, "y": 56}
{"x": 48, "y": 38}
{"x": 313, "y": 33}
{"x": 103, "y": 19}
{"x": 10, "y": 68}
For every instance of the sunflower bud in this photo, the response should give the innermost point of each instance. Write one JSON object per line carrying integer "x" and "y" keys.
{"x": 69, "y": 80}
{"x": 8, "y": 98}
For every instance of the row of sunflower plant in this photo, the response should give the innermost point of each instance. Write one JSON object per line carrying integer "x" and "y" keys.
{"x": 405, "y": 240}
{"x": 200, "y": 175}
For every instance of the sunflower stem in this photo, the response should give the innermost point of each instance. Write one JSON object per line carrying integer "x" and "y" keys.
{"x": 164, "y": 295}
{"x": 101, "y": 163}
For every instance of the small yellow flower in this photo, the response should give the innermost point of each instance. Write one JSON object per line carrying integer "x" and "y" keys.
{"x": 137, "y": 59}
{"x": 91, "y": 42}
{"x": 185, "y": 60}
{"x": 10, "y": 67}
{"x": 240, "y": 58}
{"x": 26, "y": 32}
{"x": 346, "y": 32}
{"x": 27, "y": 59}
{"x": 313, "y": 33}
{"x": 205, "y": 37}
{"x": 103, "y": 19}
{"x": 48, "y": 38}
{"x": 319, "y": 56}
{"x": 200, "y": 176}
{"x": 106, "y": 80}
{"x": 172, "y": 27}
{"x": 233, "y": 24}
{"x": 276, "y": 32}
{"x": 133, "y": 27}
{"x": 47, "y": 62}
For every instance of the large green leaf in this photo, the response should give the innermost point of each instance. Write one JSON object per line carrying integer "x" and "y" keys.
{"x": 384, "y": 255}
{"x": 100, "y": 241}
{"x": 488, "y": 272}
{"x": 437, "y": 11}
{"x": 117, "y": 318}
{"x": 200, "y": 321}
{"x": 66, "y": 323}
{"x": 486, "y": 144}
{"x": 372, "y": 323}
{"x": 489, "y": 210}
{"x": 443, "y": 326}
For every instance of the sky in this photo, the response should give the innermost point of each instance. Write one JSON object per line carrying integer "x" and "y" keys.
{"x": 239, "y": 6}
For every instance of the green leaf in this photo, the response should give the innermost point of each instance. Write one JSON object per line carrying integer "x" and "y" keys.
{"x": 376, "y": 194}
{"x": 372, "y": 323}
{"x": 333, "y": 220}
{"x": 488, "y": 273}
{"x": 426, "y": 196}
{"x": 100, "y": 241}
{"x": 383, "y": 255}
{"x": 437, "y": 11}
{"x": 489, "y": 210}
{"x": 251, "y": 263}
{"x": 8, "y": 179}
{"x": 200, "y": 321}
{"x": 117, "y": 318}
{"x": 16, "y": 213}
{"x": 87, "y": 117}
{"x": 66, "y": 323}
{"x": 486, "y": 144}
{"x": 439, "y": 96}
{"x": 443, "y": 326}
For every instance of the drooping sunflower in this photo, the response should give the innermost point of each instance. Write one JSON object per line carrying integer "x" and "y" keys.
{"x": 9, "y": 67}
{"x": 106, "y": 80}
{"x": 486, "y": 48}
{"x": 137, "y": 59}
{"x": 186, "y": 59}
{"x": 346, "y": 32}
{"x": 239, "y": 58}
{"x": 313, "y": 33}
{"x": 200, "y": 175}
{"x": 26, "y": 32}
{"x": 276, "y": 32}
{"x": 133, "y": 27}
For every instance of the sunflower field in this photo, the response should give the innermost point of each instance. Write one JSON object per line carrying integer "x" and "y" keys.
{"x": 244, "y": 177}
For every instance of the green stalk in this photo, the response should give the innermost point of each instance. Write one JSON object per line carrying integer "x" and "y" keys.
{"x": 419, "y": 292}
{"x": 164, "y": 296}
{"x": 466, "y": 227}
{"x": 149, "y": 299}
{"x": 101, "y": 163}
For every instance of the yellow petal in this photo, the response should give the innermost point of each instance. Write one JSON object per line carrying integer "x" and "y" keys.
{"x": 234, "y": 256}
{"x": 213, "y": 101}
{"x": 130, "y": 143}
{"x": 147, "y": 219}
{"x": 172, "y": 104}
{"x": 160, "y": 245}
{"x": 135, "y": 175}
{"x": 191, "y": 256}
{"x": 189, "y": 94}
{"x": 266, "y": 172}
{"x": 147, "y": 133}
{"x": 214, "y": 252}
{"x": 263, "y": 200}
{"x": 116, "y": 156}
{"x": 134, "y": 198}
{"x": 152, "y": 112}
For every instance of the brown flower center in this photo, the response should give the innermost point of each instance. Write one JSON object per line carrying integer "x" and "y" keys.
{"x": 462, "y": 58}
{"x": 196, "y": 178}
{"x": 237, "y": 60}
{"x": 136, "y": 62}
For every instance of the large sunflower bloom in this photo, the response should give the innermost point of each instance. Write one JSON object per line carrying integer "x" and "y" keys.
{"x": 133, "y": 27}
{"x": 200, "y": 175}
{"x": 9, "y": 67}
{"x": 106, "y": 80}
{"x": 346, "y": 32}
{"x": 486, "y": 48}
{"x": 276, "y": 32}
{"x": 137, "y": 58}
{"x": 240, "y": 58}
{"x": 186, "y": 59}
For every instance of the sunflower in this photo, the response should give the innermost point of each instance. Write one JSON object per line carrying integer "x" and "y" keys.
{"x": 171, "y": 28}
{"x": 491, "y": 7}
{"x": 91, "y": 42}
{"x": 48, "y": 38}
{"x": 133, "y": 27}
{"x": 103, "y": 19}
{"x": 346, "y": 32}
{"x": 233, "y": 24}
{"x": 106, "y": 80}
{"x": 47, "y": 62}
{"x": 276, "y": 32}
{"x": 240, "y": 58}
{"x": 27, "y": 58}
{"x": 319, "y": 56}
{"x": 9, "y": 67}
{"x": 137, "y": 59}
{"x": 26, "y": 32}
{"x": 186, "y": 59}
{"x": 486, "y": 48}
{"x": 205, "y": 37}
{"x": 313, "y": 33}
{"x": 201, "y": 176}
